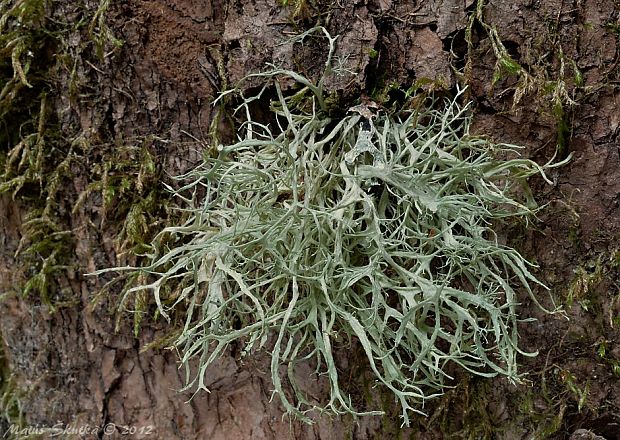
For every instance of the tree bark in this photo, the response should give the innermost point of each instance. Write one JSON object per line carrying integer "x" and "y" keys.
{"x": 75, "y": 367}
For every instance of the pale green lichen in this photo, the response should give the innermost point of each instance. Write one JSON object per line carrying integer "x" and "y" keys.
{"x": 295, "y": 232}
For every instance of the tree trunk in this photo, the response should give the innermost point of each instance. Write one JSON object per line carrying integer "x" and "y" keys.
{"x": 120, "y": 119}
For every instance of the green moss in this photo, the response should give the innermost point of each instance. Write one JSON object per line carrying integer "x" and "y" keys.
{"x": 36, "y": 159}
{"x": 505, "y": 64}
{"x": 33, "y": 163}
{"x": 615, "y": 259}
{"x": 563, "y": 128}
{"x": 586, "y": 278}
{"x": 574, "y": 234}
{"x": 372, "y": 53}
{"x": 579, "y": 393}
{"x": 11, "y": 412}
{"x": 604, "y": 354}
{"x": 614, "y": 27}
{"x": 550, "y": 423}
{"x": 134, "y": 203}
{"x": 299, "y": 9}
{"x": 595, "y": 271}
{"x": 101, "y": 34}
{"x": 542, "y": 80}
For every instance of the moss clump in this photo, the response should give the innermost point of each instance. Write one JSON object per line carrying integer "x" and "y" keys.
{"x": 11, "y": 413}
{"x": 37, "y": 157}
{"x": 125, "y": 180}
{"x": 33, "y": 161}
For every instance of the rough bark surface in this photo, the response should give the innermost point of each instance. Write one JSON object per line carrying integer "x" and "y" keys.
{"x": 73, "y": 366}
